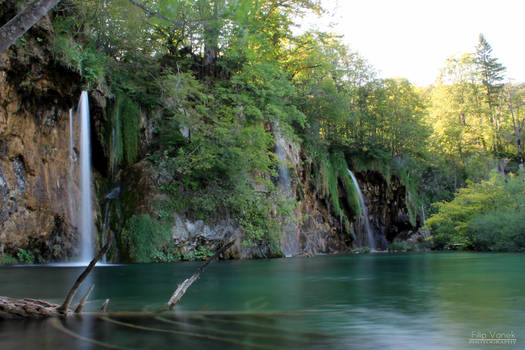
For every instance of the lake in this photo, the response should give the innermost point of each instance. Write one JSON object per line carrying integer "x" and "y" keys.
{"x": 379, "y": 301}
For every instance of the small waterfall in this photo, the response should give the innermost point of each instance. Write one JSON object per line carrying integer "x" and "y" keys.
{"x": 364, "y": 213}
{"x": 423, "y": 219}
{"x": 284, "y": 173}
{"x": 71, "y": 187}
{"x": 86, "y": 206}
{"x": 290, "y": 240}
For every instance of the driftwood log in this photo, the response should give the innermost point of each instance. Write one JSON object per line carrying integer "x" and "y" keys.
{"x": 33, "y": 308}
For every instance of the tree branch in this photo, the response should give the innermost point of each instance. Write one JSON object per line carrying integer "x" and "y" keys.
{"x": 21, "y": 23}
{"x": 181, "y": 289}
{"x": 65, "y": 306}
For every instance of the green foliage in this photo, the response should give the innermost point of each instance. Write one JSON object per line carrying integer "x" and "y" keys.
{"x": 166, "y": 255}
{"x": 6, "y": 259}
{"x": 335, "y": 185}
{"x": 498, "y": 230}
{"x": 364, "y": 250}
{"x": 399, "y": 246}
{"x": 145, "y": 239}
{"x": 85, "y": 60}
{"x": 406, "y": 170}
{"x": 199, "y": 253}
{"x": 25, "y": 256}
{"x": 483, "y": 216}
{"x": 129, "y": 115}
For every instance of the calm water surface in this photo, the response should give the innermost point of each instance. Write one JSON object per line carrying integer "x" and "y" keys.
{"x": 409, "y": 301}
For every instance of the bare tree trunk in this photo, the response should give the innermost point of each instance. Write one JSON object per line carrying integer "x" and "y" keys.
{"x": 181, "y": 289}
{"x": 65, "y": 306}
{"x": 518, "y": 125}
{"x": 21, "y": 23}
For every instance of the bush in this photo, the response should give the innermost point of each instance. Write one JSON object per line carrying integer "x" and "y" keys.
{"x": 6, "y": 259}
{"x": 25, "y": 257}
{"x": 502, "y": 230}
{"x": 144, "y": 239}
{"x": 488, "y": 215}
{"x": 200, "y": 253}
{"x": 399, "y": 246}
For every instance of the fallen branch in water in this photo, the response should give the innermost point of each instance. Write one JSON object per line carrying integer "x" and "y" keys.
{"x": 33, "y": 308}
{"x": 65, "y": 306}
{"x": 183, "y": 287}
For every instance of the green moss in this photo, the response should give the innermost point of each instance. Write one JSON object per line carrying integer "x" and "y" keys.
{"x": 86, "y": 61}
{"x": 6, "y": 259}
{"x": 25, "y": 256}
{"x": 333, "y": 182}
{"x": 115, "y": 140}
{"x": 350, "y": 193}
{"x": 144, "y": 238}
{"x": 412, "y": 199}
{"x": 199, "y": 253}
{"x": 129, "y": 116}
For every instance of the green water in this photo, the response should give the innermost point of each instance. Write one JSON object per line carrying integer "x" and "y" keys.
{"x": 411, "y": 301}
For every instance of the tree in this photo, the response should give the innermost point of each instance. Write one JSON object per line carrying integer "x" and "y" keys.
{"x": 491, "y": 73}
{"x": 21, "y": 23}
{"x": 514, "y": 100}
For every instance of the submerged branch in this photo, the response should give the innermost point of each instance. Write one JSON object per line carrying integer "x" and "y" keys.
{"x": 181, "y": 289}
{"x": 65, "y": 306}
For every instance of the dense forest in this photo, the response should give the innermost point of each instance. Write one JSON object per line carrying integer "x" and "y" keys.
{"x": 202, "y": 91}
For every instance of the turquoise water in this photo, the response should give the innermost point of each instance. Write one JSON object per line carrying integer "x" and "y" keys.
{"x": 408, "y": 301}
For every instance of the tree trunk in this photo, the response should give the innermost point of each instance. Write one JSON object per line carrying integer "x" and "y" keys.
{"x": 518, "y": 125}
{"x": 21, "y": 23}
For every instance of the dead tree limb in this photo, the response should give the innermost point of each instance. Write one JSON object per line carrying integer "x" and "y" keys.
{"x": 65, "y": 306}
{"x": 104, "y": 306}
{"x": 83, "y": 300}
{"x": 181, "y": 289}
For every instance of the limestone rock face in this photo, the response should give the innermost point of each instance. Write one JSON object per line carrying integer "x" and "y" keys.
{"x": 35, "y": 183}
{"x": 387, "y": 205}
{"x": 142, "y": 185}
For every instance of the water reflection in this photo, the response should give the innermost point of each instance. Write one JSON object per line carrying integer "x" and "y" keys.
{"x": 417, "y": 301}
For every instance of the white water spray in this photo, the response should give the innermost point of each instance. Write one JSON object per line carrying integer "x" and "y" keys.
{"x": 364, "y": 213}
{"x": 86, "y": 207}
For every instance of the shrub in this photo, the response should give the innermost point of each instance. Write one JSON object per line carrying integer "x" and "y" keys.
{"x": 144, "y": 238}
{"x": 25, "y": 257}
{"x": 488, "y": 215}
{"x": 6, "y": 259}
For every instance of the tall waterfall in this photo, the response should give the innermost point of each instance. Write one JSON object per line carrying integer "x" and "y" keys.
{"x": 364, "y": 213}
{"x": 86, "y": 206}
{"x": 289, "y": 241}
{"x": 71, "y": 187}
{"x": 280, "y": 151}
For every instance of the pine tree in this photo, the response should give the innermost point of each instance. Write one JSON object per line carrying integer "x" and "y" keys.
{"x": 491, "y": 74}
{"x": 490, "y": 70}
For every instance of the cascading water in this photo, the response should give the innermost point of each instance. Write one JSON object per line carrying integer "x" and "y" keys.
{"x": 86, "y": 206}
{"x": 71, "y": 189}
{"x": 290, "y": 239}
{"x": 284, "y": 172}
{"x": 423, "y": 219}
{"x": 364, "y": 214}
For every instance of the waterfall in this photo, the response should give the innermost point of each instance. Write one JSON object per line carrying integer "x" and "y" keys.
{"x": 86, "y": 206}
{"x": 423, "y": 219}
{"x": 289, "y": 242}
{"x": 71, "y": 187}
{"x": 364, "y": 213}
{"x": 284, "y": 172}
